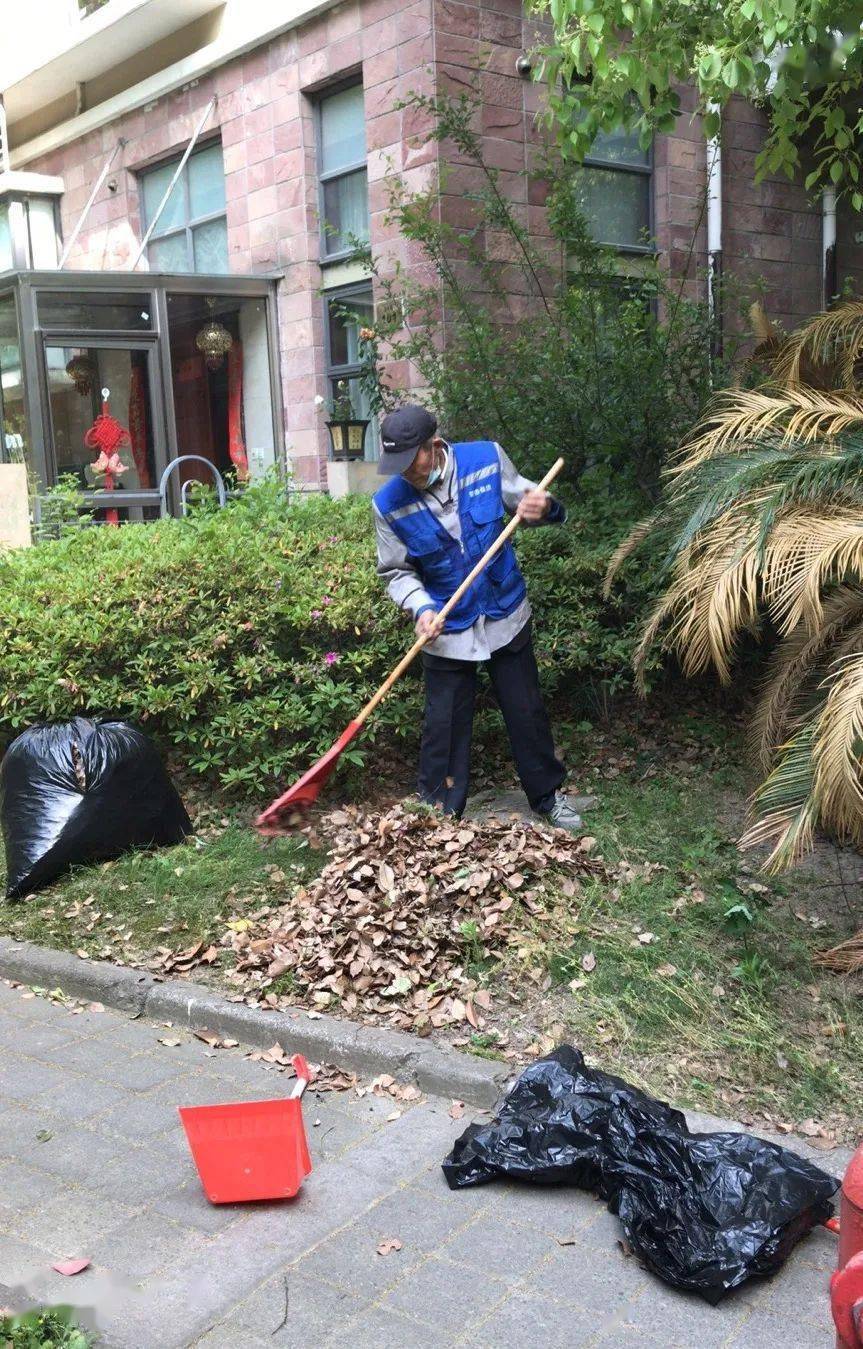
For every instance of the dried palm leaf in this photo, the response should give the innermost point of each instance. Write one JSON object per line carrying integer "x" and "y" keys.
{"x": 837, "y": 751}
{"x": 739, "y": 418}
{"x": 799, "y": 660}
{"x": 832, "y": 342}
{"x": 625, "y": 549}
{"x": 784, "y": 807}
{"x": 846, "y": 958}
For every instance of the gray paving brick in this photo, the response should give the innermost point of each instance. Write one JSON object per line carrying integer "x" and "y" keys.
{"x": 75, "y": 1154}
{"x": 72, "y": 1222}
{"x": 137, "y": 1117}
{"x": 40, "y": 1009}
{"x": 146, "y": 1243}
{"x": 135, "y": 1175}
{"x": 632, "y": 1336}
{"x": 350, "y": 1260}
{"x": 86, "y": 1055}
{"x": 37, "y": 1039}
{"x": 560, "y": 1209}
{"x": 811, "y": 1288}
{"x": 316, "y": 1310}
{"x": 19, "y": 1126}
{"x": 23, "y": 1079}
{"x": 525, "y": 1319}
{"x": 187, "y": 1204}
{"x": 19, "y": 1261}
{"x": 820, "y": 1249}
{"x": 663, "y": 1311}
{"x": 229, "y": 1336}
{"x": 446, "y": 1296}
{"x": 23, "y": 1187}
{"x": 335, "y": 1134}
{"x": 80, "y": 1098}
{"x": 573, "y": 1274}
{"x": 141, "y": 1072}
{"x": 493, "y": 1246}
{"x": 774, "y": 1332}
{"x": 379, "y": 1327}
{"x": 420, "y": 1222}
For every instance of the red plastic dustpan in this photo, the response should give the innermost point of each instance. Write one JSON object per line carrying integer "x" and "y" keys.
{"x": 253, "y": 1149}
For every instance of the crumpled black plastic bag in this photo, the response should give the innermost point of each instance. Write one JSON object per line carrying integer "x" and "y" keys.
{"x": 82, "y": 791}
{"x": 705, "y": 1212}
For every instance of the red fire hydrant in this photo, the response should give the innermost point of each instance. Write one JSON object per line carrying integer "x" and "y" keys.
{"x": 846, "y": 1285}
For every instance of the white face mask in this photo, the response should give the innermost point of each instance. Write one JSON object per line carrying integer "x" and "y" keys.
{"x": 436, "y": 473}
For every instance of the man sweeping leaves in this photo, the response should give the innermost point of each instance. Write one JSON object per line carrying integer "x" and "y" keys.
{"x": 441, "y": 509}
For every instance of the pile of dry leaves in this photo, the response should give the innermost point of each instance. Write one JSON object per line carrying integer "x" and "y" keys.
{"x": 407, "y": 900}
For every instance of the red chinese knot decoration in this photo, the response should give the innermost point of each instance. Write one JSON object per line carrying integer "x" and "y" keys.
{"x": 107, "y": 435}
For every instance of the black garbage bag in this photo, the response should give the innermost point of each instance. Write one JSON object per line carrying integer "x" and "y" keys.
{"x": 705, "y": 1212}
{"x": 82, "y": 791}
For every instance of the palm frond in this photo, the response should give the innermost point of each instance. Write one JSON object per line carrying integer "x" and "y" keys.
{"x": 626, "y": 548}
{"x": 739, "y": 418}
{"x": 808, "y": 550}
{"x": 837, "y": 751}
{"x": 783, "y": 808}
{"x": 797, "y": 662}
{"x": 832, "y": 341}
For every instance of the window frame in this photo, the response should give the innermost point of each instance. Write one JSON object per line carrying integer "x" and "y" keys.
{"x": 332, "y": 175}
{"x": 187, "y": 229}
{"x": 333, "y": 372}
{"x": 646, "y": 170}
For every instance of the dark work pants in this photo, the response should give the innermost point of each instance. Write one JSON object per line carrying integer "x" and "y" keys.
{"x": 444, "y": 773}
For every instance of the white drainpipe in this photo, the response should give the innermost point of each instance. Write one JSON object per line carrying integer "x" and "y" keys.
{"x": 828, "y": 245}
{"x": 714, "y": 234}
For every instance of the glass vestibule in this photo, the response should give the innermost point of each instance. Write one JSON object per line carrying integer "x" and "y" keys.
{"x": 66, "y": 336}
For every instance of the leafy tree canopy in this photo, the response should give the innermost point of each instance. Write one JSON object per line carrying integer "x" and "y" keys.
{"x": 621, "y": 62}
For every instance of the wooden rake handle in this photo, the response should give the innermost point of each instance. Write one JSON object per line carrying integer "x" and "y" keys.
{"x": 452, "y": 602}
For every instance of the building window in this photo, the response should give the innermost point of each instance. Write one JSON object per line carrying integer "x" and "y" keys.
{"x": 344, "y": 196}
{"x": 615, "y": 191}
{"x": 346, "y": 311}
{"x": 191, "y": 234}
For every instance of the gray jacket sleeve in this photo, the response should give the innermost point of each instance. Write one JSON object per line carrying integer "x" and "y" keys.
{"x": 514, "y": 486}
{"x": 400, "y": 578}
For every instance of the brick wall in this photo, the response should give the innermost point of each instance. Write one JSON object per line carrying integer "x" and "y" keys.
{"x": 264, "y": 116}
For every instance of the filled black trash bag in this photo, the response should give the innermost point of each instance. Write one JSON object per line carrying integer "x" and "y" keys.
{"x": 705, "y": 1212}
{"x": 82, "y": 791}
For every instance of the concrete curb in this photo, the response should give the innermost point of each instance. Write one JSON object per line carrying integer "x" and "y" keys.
{"x": 323, "y": 1039}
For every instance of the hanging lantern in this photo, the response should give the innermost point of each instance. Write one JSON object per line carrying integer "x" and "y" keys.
{"x": 81, "y": 370}
{"x": 213, "y": 341}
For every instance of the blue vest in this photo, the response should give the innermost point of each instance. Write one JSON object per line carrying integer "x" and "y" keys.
{"x": 441, "y": 561}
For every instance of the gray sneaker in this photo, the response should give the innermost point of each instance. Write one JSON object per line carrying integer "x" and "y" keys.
{"x": 562, "y": 815}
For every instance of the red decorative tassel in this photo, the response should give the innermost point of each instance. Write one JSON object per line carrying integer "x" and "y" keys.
{"x": 107, "y": 435}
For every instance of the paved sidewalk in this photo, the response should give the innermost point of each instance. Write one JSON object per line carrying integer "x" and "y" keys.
{"x": 93, "y": 1163}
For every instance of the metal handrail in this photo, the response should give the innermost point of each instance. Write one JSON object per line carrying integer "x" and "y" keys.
{"x": 175, "y": 463}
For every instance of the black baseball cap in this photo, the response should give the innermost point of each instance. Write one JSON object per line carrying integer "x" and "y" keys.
{"x": 402, "y": 433}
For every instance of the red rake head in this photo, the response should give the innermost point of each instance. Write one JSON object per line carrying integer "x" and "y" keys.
{"x": 290, "y": 810}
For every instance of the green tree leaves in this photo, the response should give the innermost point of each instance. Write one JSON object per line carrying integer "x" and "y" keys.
{"x": 802, "y": 60}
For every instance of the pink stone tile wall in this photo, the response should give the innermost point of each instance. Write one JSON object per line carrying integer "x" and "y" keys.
{"x": 265, "y": 120}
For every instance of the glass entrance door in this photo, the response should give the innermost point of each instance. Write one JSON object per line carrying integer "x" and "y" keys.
{"x": 76, "y": 373}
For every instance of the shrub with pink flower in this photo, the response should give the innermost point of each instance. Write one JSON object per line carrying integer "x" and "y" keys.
{"x": 331, "y": 658}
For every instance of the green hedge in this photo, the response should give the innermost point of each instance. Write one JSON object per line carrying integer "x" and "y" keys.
{"x": 214, "y": 632}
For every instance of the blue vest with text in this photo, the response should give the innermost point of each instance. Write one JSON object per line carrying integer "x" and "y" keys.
{"x": 441, "y": 561}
